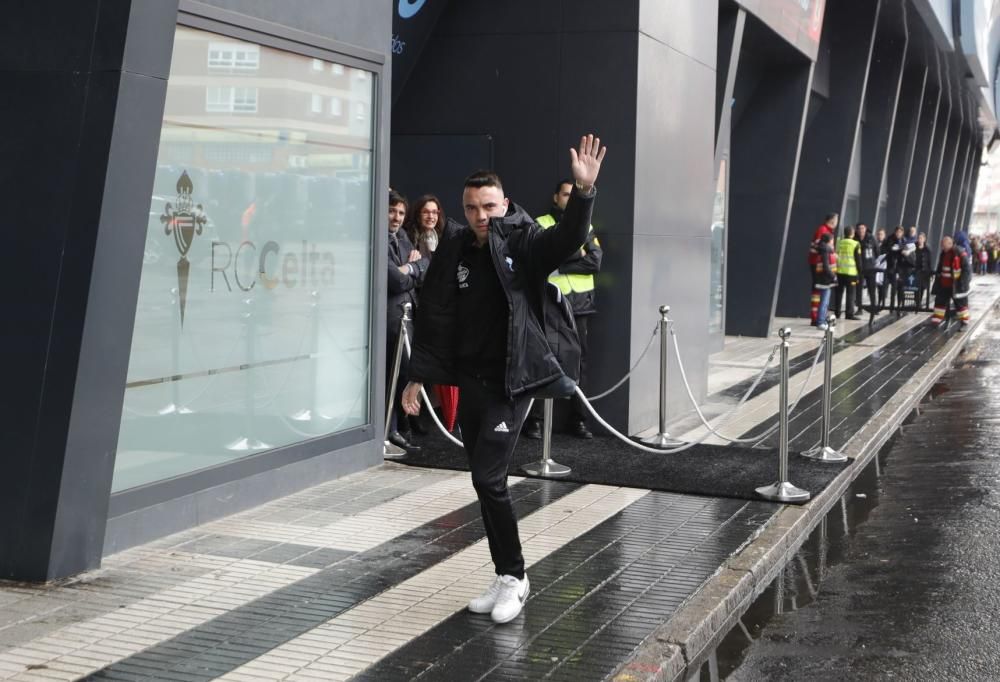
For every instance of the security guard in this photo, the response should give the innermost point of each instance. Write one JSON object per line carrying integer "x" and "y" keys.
{"x": 575, "y": 279}
{"x": 848, "y": 257}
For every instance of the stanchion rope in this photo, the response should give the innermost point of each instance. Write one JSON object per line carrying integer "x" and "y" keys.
{"x": 753, "y": 439}
{"x": 625, "y": 439}
{"x": 656, "y": 330}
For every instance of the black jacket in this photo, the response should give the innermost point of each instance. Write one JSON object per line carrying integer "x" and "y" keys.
{"x": 402, "y": 286}
{"x": 523, "y": 256}
{"x": 893, "y": 250}
{"x": 868, "y": 253}
{"x": 584, "y": 261}
{"x": 922, "y": 261}
{"x": 826, "y": 276}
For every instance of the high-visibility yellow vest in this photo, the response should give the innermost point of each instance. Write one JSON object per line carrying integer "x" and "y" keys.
{"x": 567, "y": 284}
{"x": 846, "y": 265}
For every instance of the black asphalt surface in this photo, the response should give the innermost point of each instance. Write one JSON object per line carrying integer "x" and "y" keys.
{"x": 911, "y": 591}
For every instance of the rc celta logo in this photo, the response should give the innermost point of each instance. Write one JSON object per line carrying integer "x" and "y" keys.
{"x": 409, "y": 8}
{"x": 184, "y": 220}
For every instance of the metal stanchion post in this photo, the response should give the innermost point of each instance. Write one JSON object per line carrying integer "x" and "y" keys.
{"x": 546, "y": 467}
{"x": 783, "y": 491}
{"x": 662, "y": 438}
{"x": 249, "y": 442}
{"x": 313, "y": 413}
{"x": 823, "y": 452}
{"x": 175, "y": 406}
{"x": 392, "y": 451}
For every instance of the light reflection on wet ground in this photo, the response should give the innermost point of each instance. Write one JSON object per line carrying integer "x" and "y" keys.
{"x": 902, "y": 580}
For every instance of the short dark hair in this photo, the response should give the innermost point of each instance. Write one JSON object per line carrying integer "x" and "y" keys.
{"x": 484, "y": 178}
{"x": 397, "y": 198}
{"x": 564, "y": 181}
{"x": 825, "y": 237}
{"x": 849, "y": 231}
{"x": 830, "y": 216}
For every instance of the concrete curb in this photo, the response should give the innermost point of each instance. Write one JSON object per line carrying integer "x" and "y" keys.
{"x": 680, "y": 646}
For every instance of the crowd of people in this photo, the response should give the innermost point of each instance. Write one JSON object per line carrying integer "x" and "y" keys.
{"x": 897, "y": 271}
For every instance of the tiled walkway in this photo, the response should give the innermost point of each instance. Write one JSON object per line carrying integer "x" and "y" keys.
{"x": 370, "y": 574}
{"x": 367, "y": 576}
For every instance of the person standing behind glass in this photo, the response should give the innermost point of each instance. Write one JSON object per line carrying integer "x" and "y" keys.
{"x": 406, "y": 273}
{"x": 425, "y": 224}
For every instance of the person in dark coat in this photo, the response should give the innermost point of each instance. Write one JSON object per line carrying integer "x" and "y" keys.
{"x": 923, "y": 268}
{"x": 480, "y": 326}
{"x": 868, "y": 257}
{"x": 406, "y": 272}
{"x": 826, "y": 277}
{"x": 893, "y": 248}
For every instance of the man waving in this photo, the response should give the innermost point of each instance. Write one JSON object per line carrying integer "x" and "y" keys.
{"x": 478, "y": 327}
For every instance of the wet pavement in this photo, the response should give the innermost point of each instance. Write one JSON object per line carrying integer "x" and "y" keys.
{"x": 900, "y": 582}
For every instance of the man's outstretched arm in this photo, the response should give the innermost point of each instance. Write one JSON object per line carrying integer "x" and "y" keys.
{"x": 553, "y": 246}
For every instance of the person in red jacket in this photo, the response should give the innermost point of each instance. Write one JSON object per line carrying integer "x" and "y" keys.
{"x": 829, "y": 226}
{"x": 952, "y": 282}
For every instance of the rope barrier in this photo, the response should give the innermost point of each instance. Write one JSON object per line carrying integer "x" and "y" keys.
{"x": 656, "y": 330}
{"x": 802, "y": 391}
{"x": 728, "y": 416}
{"x": 427, "y": 400}
{"x": 687, "y": 386}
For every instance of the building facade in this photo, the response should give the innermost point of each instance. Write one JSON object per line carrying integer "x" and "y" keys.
{"x": 200, "y": 322}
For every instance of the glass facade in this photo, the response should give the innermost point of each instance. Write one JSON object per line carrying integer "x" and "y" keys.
{"x": 252, "y": 329}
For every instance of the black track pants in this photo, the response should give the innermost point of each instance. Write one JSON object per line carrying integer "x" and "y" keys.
{"x": 490, "y": 424}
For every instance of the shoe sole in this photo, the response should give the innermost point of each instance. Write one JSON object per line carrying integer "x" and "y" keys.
{"x": 474, "y": 610}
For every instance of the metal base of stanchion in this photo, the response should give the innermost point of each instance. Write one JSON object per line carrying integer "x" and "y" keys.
{"x": 174, "y": 409}
{"x": 783, "y": 492}
{"x": 393, "y": 451}
{"x": 546, "y": 467}
{"x": 247, "y": 444}
{"x": 662, "y": 440}
{"x": 826, "y": 454}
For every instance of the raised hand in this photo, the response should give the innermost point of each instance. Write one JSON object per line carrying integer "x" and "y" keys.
{"x": 586, "y": 161}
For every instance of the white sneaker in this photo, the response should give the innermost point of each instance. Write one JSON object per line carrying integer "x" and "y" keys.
{"x": 823, "y": 326}
{"x": 485, "y": 602}
{"x": 510, "y": 601}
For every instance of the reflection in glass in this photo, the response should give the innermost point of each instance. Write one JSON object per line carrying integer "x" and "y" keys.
{"x": 717, "y": 281}
{"x": 252, "y": 324}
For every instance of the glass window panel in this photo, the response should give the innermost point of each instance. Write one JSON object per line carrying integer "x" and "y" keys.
{"x": 717, "y": 280}
{"x": 254, "y": 309}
